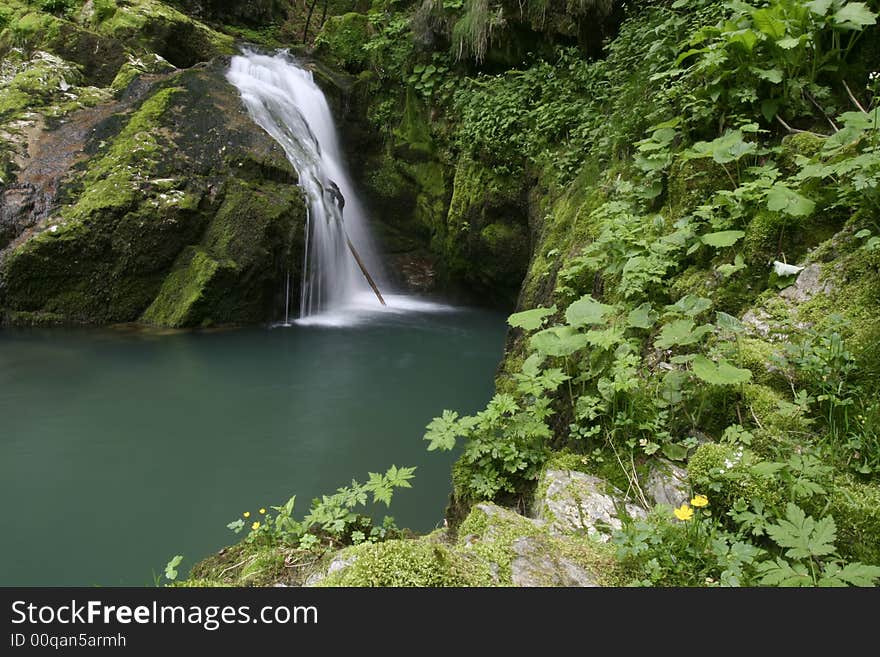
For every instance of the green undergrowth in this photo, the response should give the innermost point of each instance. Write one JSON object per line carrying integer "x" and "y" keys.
{"x": 671, "y": 213}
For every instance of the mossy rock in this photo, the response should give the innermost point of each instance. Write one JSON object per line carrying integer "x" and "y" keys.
{"x": 402, "y": 562}
{"x": 517, "y": 551}
{"x": 486, "y": 240}
{"x": 185, "y": 184}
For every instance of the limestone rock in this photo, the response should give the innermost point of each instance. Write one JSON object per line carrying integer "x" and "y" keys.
{"x": 340, "y": 562}
{"x": 535, "y": 565}
{"x": 574, "y": 502}
{"x": 807, "y": 285}
{"x": 667, "y": 483}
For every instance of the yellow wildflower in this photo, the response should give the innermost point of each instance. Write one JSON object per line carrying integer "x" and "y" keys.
{"x": 684, "y": 512}
{"x": 246, "y": 514}
{"x": 700, "y": 501}
{"x": 262, "y": 511}
{"x": 256, "y": 525}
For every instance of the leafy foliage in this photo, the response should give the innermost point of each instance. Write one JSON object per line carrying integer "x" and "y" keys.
{"x": 332, "y": 519}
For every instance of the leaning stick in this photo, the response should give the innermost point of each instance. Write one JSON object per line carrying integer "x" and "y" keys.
{"x": 364, "y": 269}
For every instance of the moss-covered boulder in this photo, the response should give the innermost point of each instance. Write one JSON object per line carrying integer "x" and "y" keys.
{"x": 184, "y": 207}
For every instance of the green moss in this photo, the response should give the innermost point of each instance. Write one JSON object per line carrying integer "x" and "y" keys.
{"x": 152, "y": 26}
{"x": 37, "y": 85}
{"x": 757, "y": 355}
{"x": 403, "y": 563}
{"x": 248, "y": 564}
{"x": 230, "y": 277}
{"x": 342, "y": 39}
{"x": 183, "y": 289}
{"x": 136, "y": 66}
{"x": 692, "y": 182}
{"x": 722, "y": 469}
{"x": 775, "y": 417}
{"x": 855, "y": 295}
{"x": 804, "y": 144}
{"x": 414, "y": 130}
{"x": 855, "y": 507}
{"x": 485, "y": 241}
{"x": 562, "y": 227}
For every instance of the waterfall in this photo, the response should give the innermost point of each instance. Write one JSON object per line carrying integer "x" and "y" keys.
{"x": 283, "y": 99}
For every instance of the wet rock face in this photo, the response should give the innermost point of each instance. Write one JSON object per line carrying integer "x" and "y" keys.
{"x": 180, "y": 205}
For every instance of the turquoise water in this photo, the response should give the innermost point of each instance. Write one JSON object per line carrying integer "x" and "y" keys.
{"x": 122, "y": 448}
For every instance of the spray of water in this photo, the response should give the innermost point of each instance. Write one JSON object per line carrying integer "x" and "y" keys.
{"x": 282, "y": 98}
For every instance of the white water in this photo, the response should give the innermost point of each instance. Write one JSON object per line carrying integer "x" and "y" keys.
{"x": 284, "y": 100}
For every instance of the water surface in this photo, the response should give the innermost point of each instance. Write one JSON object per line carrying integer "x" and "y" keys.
{"x": 119, "y": 449}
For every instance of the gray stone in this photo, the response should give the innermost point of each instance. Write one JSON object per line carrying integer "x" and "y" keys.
{"x": 667, "y": 483}
{"x": 758, "y": 321}
{"x": 576, "y": 502}
{"x": 338, "y": 563}
{"x": 808, "y": 284}
{"x": 534, "y": 565}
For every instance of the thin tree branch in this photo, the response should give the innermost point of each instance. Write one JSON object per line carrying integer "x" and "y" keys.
{"x": 853, "y": 98}
{"x": 795, "y": 131}
{"x": 819, "y": 107}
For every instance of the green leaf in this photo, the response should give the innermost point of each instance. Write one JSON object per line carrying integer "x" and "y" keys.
{"x": 728, "y": 322}
{"x": 675, "y": 452}
{"x": 723, "y": 238}
{"x": 171, "y": 567}
{"x": 532, "y": 365}
{"x": 819, "y": 7}
{"x": 767, "y": 469}
{"x": 728, "y": 269}
{"x": 443, "y": 431}
{"x": 766, "y": 21}
{"x": 530, "y": 320}
{"x": 720, "y": 374}
{"x": 727, "y": 148}
{"x": 586, "y": 311}
{"x": 802, "y": 535}
{"x": 689, "y": 305}
{"x": 788, "y": 43}
{"x": 399, "y": 477}
{"x": 772, "y": 75}
{"x": 769, "y": 108}
{"x": 680, "y": 332}
{"x": 854, "y": 16}
{"x": 782, "y": 573}
{"x": 782, "y": 199}
{"x": 745, "y": 38}
{"x": 558, "y": 341}
{"x": 854, "y": 574}
{"x": 643, "y": 317}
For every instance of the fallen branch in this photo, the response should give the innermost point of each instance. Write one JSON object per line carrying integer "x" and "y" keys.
{"x": 364, "y": 269}
{"x": 819, "y": 107}
{"x": 796, "y": 131}
{"x": 853, "y": 98}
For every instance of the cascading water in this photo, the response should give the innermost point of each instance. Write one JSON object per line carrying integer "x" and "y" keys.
{"x": 339, "y": 256}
